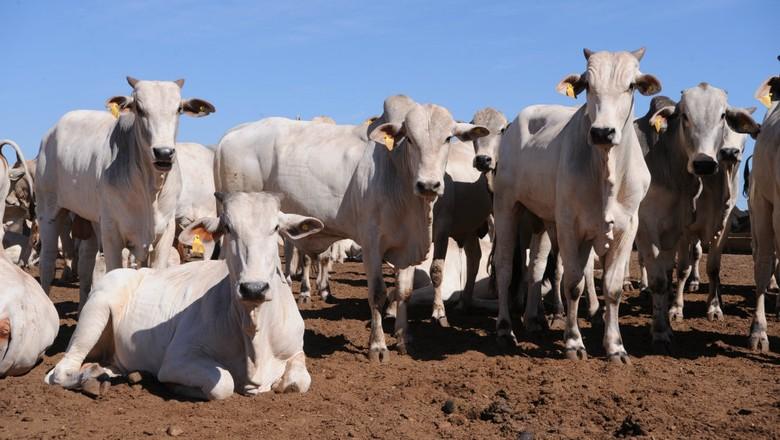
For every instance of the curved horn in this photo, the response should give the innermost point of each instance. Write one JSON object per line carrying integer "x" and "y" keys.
{"x": 587, "y": 52}
{"x": 639, "y": 53}
{"x": 132, "y": 81}
{"x": 20, "y": 159}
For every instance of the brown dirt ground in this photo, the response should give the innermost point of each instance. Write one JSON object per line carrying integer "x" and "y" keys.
{"x": 711, "y": 387}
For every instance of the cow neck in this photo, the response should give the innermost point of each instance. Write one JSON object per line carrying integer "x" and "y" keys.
{"x": 689, "y": 186}
{"x": 405, "y": 172}
{"x": 611, "y": 165}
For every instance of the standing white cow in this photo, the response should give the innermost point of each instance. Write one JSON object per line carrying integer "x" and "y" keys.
{"x": 585, "y": 174}
{"x": 28, "y": 319}
{"x": 206, "y": 328}
{"x": 196, "y": 165}
{"x": 764, "y": 205}
{"x": 374, "y": 183}
{"x": 694, "y": 167}
{"x": 119, "y": 173}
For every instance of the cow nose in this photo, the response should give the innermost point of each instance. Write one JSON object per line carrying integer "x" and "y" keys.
{"x": 705, "y": 166}
{"x": 602, "y": 135}
{"x": 253, "y": 291}
{"x": 163, "y": 154}
{"x": 728, "y": 154}
{"x": 428, "y": 187}
{"x": 483, "y": 162}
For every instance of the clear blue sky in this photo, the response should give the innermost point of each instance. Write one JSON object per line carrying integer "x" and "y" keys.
{"x": 342, "y": 58}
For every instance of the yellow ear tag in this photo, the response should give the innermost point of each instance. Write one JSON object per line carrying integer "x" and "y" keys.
{"x": 113, "y": 107}
{"x": 570, "y": 91}
{"x": 304, "y": 227}
{"x": 766, "y": 100}
{"x": 389, "y": 140}
{"x": 202, "y": 109}
{"x": 197, "y": 246}
{"x": 657, "y": 123}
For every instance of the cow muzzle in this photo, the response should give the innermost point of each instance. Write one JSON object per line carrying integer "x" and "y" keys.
{"x": 163, "y": 158}
{"x": 704, "y": 165}
{"x": 729, "y": 155}
{"x": 428, "y": 188}
{"x": 255, "y": 291}
{"x": 603, "y": 136}
{"x": 483, "y": 163}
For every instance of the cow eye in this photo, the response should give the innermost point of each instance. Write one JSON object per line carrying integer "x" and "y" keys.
{"x": 723, "y": 116}
{"x": 139, "y": 111}
{"x": 631, "y": 88}
{"x": 276, "y": 229}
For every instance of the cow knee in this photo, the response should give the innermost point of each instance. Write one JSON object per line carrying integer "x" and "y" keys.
{"x": 437, "y": 272}
{"x": 223, "y": 388}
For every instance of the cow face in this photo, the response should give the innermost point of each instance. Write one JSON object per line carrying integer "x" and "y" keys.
{"x": 157, "y": 106}
{"x": 486, "y": 148}
{"x": 704, "y": 122}
{"x": 424, "y": 137}
{"x": 249, "y": 225}
{"x": 610, "y": 81}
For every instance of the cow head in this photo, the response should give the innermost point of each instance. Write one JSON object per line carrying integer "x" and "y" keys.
{"x": 422, "y": 136}
{"x": 486, "y": 148}
{"x": 249, "y": 226}
{"x": 769, "y": 90}
{"x": 610, "y": 81}
{"x": 157, "y": 106}
{"x": 703, "y": 119}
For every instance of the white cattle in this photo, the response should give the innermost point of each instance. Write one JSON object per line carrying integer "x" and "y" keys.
{"x": 764, "y": 205}
{"x": 196, "y": 165}
{"x": 206, "y": 328}
{"x": 373, "y": 183}
{"x": 14, "y": 204}
{"x": 28, "y": 319}
{"x": 584, "y": 174}
{"x": 119, "y": 173}
{"x": 694, "y": 167}
{"x": 463, "y": 210}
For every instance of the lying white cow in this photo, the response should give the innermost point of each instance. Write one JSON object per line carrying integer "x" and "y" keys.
{"x": 586, "y": 176}
{"x": 764, "y": 204}
{"x": 690, "y": 197}
{"x": 375, "y": 184}
{"x": 207, "y": 328}
{"x": 119, "y": 173}
{"x": 28, "y": 319}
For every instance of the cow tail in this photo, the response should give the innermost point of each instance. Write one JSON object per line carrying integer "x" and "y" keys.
{"x": 746, "y": 186}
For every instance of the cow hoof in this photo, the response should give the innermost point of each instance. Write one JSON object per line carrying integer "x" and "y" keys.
{"x": 693, "y": 286}
{"x": 676, "y": 314}
{"x": 329, "y": 299}
{"x": 715, "y": 315}
{"x": 759, "y": 342}
{"x": 557, "y": 322}
{"x": 442, "y": 321}
{"x": 379, "y": 355}
{"x": 662, "y": 347}
{"x": 304, "y": 300}
{"x": 576, "y": 354}
{"x": 95, "y": 388}
{"x": 620, "y": 358}
{"x": 628, "y": 286}
{"x": 507, "y": 342}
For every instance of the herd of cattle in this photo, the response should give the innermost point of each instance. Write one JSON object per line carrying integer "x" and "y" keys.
{"x": 538, "y": 199}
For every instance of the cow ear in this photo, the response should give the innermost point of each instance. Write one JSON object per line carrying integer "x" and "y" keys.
{"x": 769, "y": 91}
{"x": 741, "y": 121}
{"x": 197, "y": 107}
{"x": 387, "y": 133}
{"x": 572, "y": 85}
{"x": 297, "y": 226}
{"x": 15, "y": 174}
{"x": 206, "y": 229}
{"x": 659, "y": 120}
{"x": 647, "y": 84}
{"x": 468, "y": 132}
{"x": 122, "y": 103}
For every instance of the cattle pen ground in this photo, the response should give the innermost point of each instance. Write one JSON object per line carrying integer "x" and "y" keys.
{"x": 455, "y": 384}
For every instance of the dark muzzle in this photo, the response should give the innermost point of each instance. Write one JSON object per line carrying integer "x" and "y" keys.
{"x": 253, "y": 291}
{"x": 729, "y": 155}
{"x": 705, "y": 166}
{"x": 602, "y": 136}
{"x": 163, "y": 157}
{"x": 428, "y": 187}
{"x": 483, "y": 163}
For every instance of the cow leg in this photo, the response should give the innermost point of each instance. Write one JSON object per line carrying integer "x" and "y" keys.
{"x": 68, "y": 251}
{"x": 764, "y": 220}
{"x": 404, "y": 287}
{"x": 575, "y": 258}
{"x": 643, "y": 284}
{"x": 473, "y": 257}
{"x": 323, "y": 276}
{"x": 48, "y": 228}
{"x": 612, "y": 282}
{"x": 377, "y": 296}
{"x": 658, "y": 269}
{"x": 88, "y": 250}
{"x": 195, "y": 377}
{"x": 506, "y": 218}
{"x": 439, "y": 314}
{"x": 289, "y": 249}
{"x": 628, "y": 286}
{"x": 695, "y": 279}
{"x": 533, "y": 317}
{"x": 558, "y": 321}
{"x": 296, "y": 378}
{"x": 714, "y": 311}
{"x": 158, "y": 258}
{"x": 684, "y": 251}
{"x": 305, "y": 295}
{"x": 590, "y": 287}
